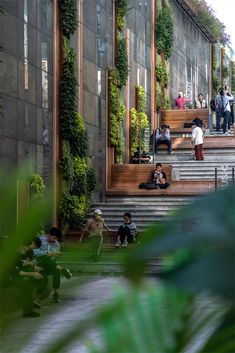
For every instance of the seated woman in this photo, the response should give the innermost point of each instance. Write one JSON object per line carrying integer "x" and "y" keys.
{"x": 126, "y": 232}
{"x": 181, "y": 101}
{"x": 159, "y": 177}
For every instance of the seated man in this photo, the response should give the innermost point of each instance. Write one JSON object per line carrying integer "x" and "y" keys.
{"x": 200, "y": 102}
{"x": 126, "y": 232}
{"x": 163, "y": 137}
{"x": 46, "y": 256}
{"x": 28, "y": 279}
{"x": 159, "y": 177}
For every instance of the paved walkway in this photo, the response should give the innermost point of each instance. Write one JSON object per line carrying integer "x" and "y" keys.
{"x": 33, "y": 335}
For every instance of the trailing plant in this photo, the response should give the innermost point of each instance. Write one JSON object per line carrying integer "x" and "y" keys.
{"x": 68, "y": 17}
{"x": 162, "y": 74}
{"x": 164, "y": 31}
{"x": 73, "y": 210}
{"x": 121, "y": 6}
{"x": 141, "y": 99}
{"x": 37, "y": 185}
{"x": 160, "y": 103}
{"x": 122, "y": 61}
{"x": 139, "y": 121}
{"x": 206, "y": 16}
{"x": 76, "y": 171}
{"x": 117, "y": 113}
{"x": 225, "y": 72}
{"x": 233, "y": 77}
{"x": 215, "y": 83}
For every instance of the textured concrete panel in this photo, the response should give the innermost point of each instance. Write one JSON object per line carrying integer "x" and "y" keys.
{"x": 90, "y": 108}
{"x": 90, "y": 76}
{"x": 27, "y": 154}
{"x": 190, "y": 60}
{"x": 89, "y": 44}
{"x": 8, "y": 152}
{"x": 89, "y": 14}
{"x": 8, "y": 122}
{"x": 27, "y": 122}
{"x": 8, "y": 75}
{"x": 10, "y": 6}
{"x": 8, "y": 30}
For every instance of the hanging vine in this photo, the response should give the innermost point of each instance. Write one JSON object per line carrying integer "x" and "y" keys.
{"x": 139, "y": 121}
{"x": 117, "y": 79}
{"x": 164, "y": 46}
{"x": 78, "y": 176}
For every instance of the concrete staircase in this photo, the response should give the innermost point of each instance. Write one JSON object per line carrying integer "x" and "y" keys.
{"x": 154, "y": 208}
{"x": 145, "y": 210}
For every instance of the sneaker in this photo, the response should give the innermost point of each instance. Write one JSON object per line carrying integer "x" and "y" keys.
{"x": 226, "y": 133}
{"x": 118, "y": 244}
{"x": 31, "y": 314}
{"x": 125, "y": 243}
{"x": 66, "y": 273}
{"x": 36, "y": 305}
{"x": 56, "y": 298}
{"x": 229, "y": 131}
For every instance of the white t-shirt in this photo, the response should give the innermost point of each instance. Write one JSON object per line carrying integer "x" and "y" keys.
{"x": 197, "y": 135}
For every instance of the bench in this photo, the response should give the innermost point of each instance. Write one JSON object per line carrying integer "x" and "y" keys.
{"x": 124, "y": 176}
{"x": 177, "y": 119}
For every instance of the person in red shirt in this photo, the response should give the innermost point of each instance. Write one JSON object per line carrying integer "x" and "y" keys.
{"x": 181, "y": 101}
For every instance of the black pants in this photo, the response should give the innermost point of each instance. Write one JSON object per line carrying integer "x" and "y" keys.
{"x": 28, "y": 286}
{"x": 163, "y": 142}
{"x": 123, "y": 232}
{"x": 49, "y": 268}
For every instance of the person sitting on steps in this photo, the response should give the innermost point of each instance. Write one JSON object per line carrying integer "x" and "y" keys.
{"x": 127, "y": 232}
{"x": 159, "y": 177}
{"x": 163, "y": 137}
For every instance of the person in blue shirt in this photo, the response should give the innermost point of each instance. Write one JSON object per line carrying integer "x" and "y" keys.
{"x": 47, "y": 255}
{"x": 226, "y": 113}
{"x": 163, "y": 137}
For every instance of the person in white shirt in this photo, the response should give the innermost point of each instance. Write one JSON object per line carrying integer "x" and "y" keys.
{"x": 197, "y": 141}
{"x": 163, "y": 137}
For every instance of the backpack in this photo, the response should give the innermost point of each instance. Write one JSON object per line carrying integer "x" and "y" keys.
{"x": 220, "y": 106}
{"x": 212, "y": 105}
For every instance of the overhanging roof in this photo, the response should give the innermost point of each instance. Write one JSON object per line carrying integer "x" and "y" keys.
{"x": 189, "y": 12}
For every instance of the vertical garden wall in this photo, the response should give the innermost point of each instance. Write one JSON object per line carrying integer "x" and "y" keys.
{"x": 78, "y": 178}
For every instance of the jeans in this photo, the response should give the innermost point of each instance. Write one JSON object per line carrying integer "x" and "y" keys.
{"x": 164, "y": 142}
{"x": 218, "y": 117}
{"x": 226, "y": 116}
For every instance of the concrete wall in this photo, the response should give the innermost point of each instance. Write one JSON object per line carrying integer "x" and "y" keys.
{"x": 190, "y": 60}
{"x": 26, "y": 77}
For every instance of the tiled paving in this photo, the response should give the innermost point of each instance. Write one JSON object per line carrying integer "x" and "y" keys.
{"x": 33, "y": 335}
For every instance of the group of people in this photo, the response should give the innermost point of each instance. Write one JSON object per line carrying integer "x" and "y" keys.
{"x": 223, "y": 105}
{"x": 182, "y": 101}
{"x": 37, "y": 260}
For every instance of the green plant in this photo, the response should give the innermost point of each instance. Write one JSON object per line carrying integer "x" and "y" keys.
{"x": 121, "y": 6}
{"x": 117, "y": 113}
{"x": 206, "y": 16}
{"x": 233, "y": 76}
{"x": 37, "y": 185}
{"x": 158, "y": 98}
{"x": 215, "y": 83}
{"x": 68, "y": 17}
{"x": 161, "y": 74}
{"x": 74, "y": 163}
{"x": 122, "y": 61}
{"x": 73, "y": 210}
{"x": 225, "y": 72}
{"x": 139, "y": 121}
{"x": 164, "y": 31}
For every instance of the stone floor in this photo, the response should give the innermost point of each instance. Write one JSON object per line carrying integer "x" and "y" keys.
{"x": 81, "y": 296}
